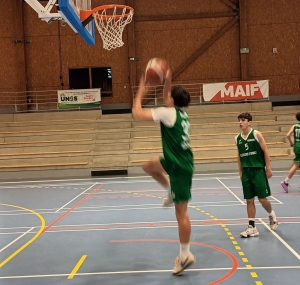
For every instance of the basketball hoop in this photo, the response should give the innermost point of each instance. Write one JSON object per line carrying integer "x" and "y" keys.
{"x": 110, "y": 21}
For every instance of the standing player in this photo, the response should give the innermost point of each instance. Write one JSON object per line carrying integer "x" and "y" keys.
{"x": 254, "y": 169}
{"x": 177, "y": 160}
{"x": 295, "y": 129}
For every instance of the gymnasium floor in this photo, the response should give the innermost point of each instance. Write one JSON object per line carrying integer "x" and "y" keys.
{"x": 114, "y": 231}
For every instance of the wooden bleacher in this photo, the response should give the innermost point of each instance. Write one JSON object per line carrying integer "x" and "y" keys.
{"x": 88, "y": 140}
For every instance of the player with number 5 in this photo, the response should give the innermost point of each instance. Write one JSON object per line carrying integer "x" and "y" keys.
{"x": 177, "y": 160}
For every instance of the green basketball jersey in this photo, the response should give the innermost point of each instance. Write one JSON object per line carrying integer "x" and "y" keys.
{"x": 251, "y": 154}
{"x": 297, "y": 133}
{"x": 176, "y": 142}
{"x": 297, "y": 138}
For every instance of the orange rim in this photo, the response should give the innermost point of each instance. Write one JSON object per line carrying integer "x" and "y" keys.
{"x": 84, "y": 14}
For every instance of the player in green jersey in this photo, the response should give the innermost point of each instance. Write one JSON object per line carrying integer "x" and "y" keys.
{"x": 295, "y": 129}
{"x": 177, "y": 160}
{"x": 254, "y": 170}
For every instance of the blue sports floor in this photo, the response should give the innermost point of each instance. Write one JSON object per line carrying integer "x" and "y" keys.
{"x": 114, "y": 231}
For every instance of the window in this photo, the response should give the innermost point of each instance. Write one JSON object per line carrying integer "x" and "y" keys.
{"x": 94, "y": 77}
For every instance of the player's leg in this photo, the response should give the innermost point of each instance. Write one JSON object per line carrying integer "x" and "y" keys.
{"x": 157, "y": 169}
{"x": 154, "y": 168}
{"x": 249, "y": 195}
{"x": 263, "y": 191}
{"x": 294, "y": 168}
{"x": 180, "y": 187}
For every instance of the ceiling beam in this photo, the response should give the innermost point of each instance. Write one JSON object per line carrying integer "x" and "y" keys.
{"x": 203, "y": 48}
{"x": 185, "y": 17}
{"x": 243, "y": 39}
{"x": 229, "y": 4}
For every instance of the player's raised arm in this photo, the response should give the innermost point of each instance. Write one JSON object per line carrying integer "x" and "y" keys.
{"x": 137, "y": 111}
{"x": 167, "y": 86}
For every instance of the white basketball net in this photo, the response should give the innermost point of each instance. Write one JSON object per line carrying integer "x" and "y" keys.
{"x": 111, "y": 27}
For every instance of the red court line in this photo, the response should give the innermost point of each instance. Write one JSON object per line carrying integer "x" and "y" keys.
{"x": 75, "y": 206}
{"x": 231, "y": 256}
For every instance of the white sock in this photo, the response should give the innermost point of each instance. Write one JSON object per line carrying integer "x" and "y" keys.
{"x": 271, "y": 214}
{"x": 169, "y": 192}
{"x": 286, "y": 180}
{"x": 184, "y": 250}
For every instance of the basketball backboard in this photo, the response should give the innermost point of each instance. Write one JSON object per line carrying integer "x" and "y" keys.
{"x": 110, "y": 20}
{"x": 68, "y": 11}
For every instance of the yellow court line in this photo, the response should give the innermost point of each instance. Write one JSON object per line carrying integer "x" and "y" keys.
{"x": 75, "y": 269}
{"x": 31, "y": 240}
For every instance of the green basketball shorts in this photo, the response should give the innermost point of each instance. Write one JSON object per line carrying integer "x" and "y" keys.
{"x": 297, "y": 153}
{"x": 180, "y": 181}
{"x": 255, "y": 183}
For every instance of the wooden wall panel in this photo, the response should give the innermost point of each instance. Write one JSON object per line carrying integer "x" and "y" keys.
{"x": 259, "y": 12}
{"x": 285, "y": 11}
{"x": 169, "y": 7}
{"x": 285, "y": 84}
{"x": 271, "y": 23}
{"x": 43, "y": 63}
{"x": 35, "y": 27}
{"x": 287, "y": 44}
{"x": 260, "y": 54}
{"x": 7, "y": 14}
{"x": 7, "y": 64}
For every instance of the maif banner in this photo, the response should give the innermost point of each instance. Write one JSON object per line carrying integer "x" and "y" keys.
{"x": 84, "y": 98}
{"x": 236, "y": 91}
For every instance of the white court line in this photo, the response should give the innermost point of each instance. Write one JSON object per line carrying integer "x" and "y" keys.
{"x": 119, "y": 208}
{"x": 99, "y": 181}
{"x": 75, "y": 197}
{"x": 242, "y": 202}
{"x": 277, "y": 200}
{"x": 282, "y": 240}
{"x": 92, "y": 179}
{"x": 122, "y": 226}
{"x": 144, "y": 271}
{"x": 16, "y": 239}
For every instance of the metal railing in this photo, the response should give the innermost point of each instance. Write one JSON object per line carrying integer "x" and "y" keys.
{"x": 154, "y": 96}
{"x": 32, "y": 101}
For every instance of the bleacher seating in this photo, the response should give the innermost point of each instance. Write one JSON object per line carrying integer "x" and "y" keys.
{"x": 92, "y": 141}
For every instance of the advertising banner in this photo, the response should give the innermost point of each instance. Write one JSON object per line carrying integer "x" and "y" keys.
{"x": 236, "y": 91}
{"x": 84, "y": 98}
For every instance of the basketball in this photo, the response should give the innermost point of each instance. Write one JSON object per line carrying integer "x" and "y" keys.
{"x": 156, "y": 71}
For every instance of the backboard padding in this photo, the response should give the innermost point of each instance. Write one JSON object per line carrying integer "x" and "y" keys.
{"x": 71, "y": 10}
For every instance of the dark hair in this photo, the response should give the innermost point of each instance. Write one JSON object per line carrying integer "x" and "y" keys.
{"x": 298, "y": 116}
{"x": 180, "y": 96}
{"x": 245, "y": 116}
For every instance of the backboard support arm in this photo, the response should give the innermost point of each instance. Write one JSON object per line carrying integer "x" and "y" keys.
{"x": 44, "y": 12}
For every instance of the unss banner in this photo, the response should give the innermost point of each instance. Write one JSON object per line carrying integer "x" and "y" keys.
{"x": 84, "y": 98}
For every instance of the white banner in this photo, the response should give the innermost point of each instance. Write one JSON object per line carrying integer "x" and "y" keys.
{"x": 79, "y": 98}
{"x": 236, "y": 91}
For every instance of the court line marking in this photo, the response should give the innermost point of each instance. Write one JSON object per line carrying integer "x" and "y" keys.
{"x": 281, "y": 240}
{"x": 277, "y": 200}
{"x": 114, "y": 208}
{"x": 145, "y": 271}
{"x": 76, "y": 228}
{"x": 77, "y": 266}
{"x": 242, "y": 202}
{"x": 228, "y": 222}
{"x": 137, "y": 176}
{"x": 75, "y": 198}
{"x": 235, "y": 174}
{"x": 66, "y": 213}
{"x": 16, "y": 239}
{"x": 28, "y": 242}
